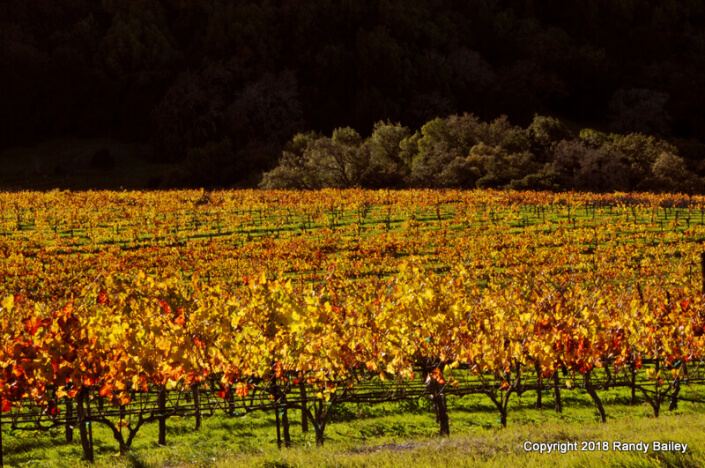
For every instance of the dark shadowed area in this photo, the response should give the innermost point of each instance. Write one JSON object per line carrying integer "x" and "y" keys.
{"x": 589, "y": 95}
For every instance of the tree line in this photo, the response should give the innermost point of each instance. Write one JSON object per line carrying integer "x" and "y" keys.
{"x": 461, "y": 151}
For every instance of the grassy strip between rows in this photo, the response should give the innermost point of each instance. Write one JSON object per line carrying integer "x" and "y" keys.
{"x": 399, "y": 434}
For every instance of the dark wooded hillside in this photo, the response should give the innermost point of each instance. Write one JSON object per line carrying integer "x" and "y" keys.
{"x": 246, "y": 76}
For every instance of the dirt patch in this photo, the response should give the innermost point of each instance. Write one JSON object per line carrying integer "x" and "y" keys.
{"x": 401, "y": 447}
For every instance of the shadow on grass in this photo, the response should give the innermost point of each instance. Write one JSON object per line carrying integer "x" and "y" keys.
{"x": 21, "y": 442}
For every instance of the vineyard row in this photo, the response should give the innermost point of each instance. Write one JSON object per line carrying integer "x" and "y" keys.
{"x": 127, "y": 335}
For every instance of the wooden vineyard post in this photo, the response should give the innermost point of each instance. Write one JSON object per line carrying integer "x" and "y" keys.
{"x": 84, "y": 426}
{"x": 443, "y": 414}
{"x": 632, "y": 371}
{"x": 302, "y": 390}
{"x": 557, "y": 390}
{"x": 279, "y": 432}
{"x": 674, "y": 397}
{"x": 1, "y": 460}
{"x": 280, "y": 406}
{"x": 197, "y": 406}
{"x": 657, "y": 384}
{"x": 88, "y": 423}
{"x": 702, "y": 270}
{"x": 231, "y": 402}
{"x": 539, "y": 385}
{"x": 161, "y": 403}
{"x": 285, "y": 422}
{"x": 69, "y": 421}
{"x": 441, "y": 407}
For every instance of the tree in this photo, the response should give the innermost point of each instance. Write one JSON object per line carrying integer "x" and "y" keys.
{"x": 312, "y": 162}
{"x": 470, "y": 130}
{"x": 438, "y": 146}
{"x": 672, "y": 175}
{"x": 593, "y": 138}
{"x": 640, "y": 153}
{"x": 389, "y": 163}
{"x": 341, "y": 161}
{"x": 497, "y": 168}
{"x": 544, "y": 134}
{"x": 294, "y": 170}
{"x": 579, "y": 166}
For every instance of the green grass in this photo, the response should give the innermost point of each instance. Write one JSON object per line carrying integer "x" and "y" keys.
{"x": 395, "y": 434}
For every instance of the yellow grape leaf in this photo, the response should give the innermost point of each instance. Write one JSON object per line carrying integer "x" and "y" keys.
{"x": 427, "y": 294}
{"x": 8, "y": 303}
